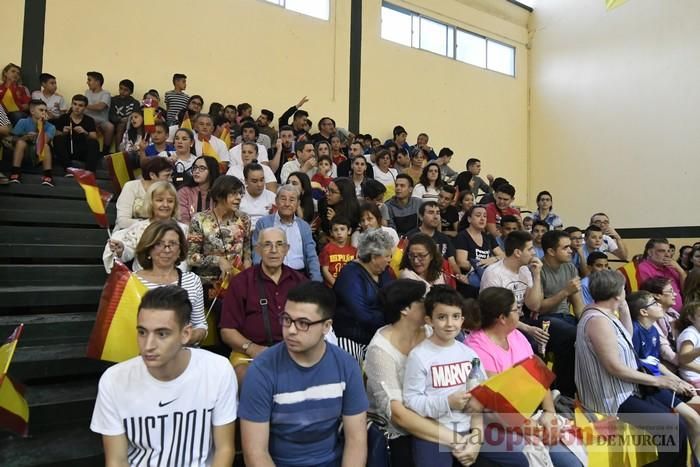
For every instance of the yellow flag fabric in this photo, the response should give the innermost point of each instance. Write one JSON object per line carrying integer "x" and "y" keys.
{"x": 149, "y": 119}
{"x": 186, "y": 122}
{"x": 610, "y": 4}
{"x": 14, "y": 410}
{"x": 119, "y": 170}
{"x": 7, "y": 350}
{"x": 113, "y": 337}
{"x": 226, "y": 137}
{"x": 208, "y": 150}
{"x": 398, "y": 255}
{"x": 8, "y": 101}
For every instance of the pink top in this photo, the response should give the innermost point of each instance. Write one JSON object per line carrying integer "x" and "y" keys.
{"x": 494, "y": 358}
{"x": 646, "y": 270}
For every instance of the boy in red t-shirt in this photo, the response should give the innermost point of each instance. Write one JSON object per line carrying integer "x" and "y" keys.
{"x": 338, "y": 252}
{"x": 323, "y": 176}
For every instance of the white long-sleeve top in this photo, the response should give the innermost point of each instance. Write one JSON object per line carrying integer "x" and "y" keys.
{"x": 433, "y": 373}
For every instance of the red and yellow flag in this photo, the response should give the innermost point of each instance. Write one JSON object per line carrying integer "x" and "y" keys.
{"x": 113, "y": 337}
{"x": 120, "y": 170}
{"x": 631, "y": 275}
{"x": 149, "y": 119}
{"x": 96, "y": 198}
{"x": 42, "y": 143}
{"x": 516, "y": 393}
{"x": 226, "y": 137}
{"x": 8, "y": 99}
{"x": 14, "y": 410}
{"x": 398, "y": 256}
{"x": 186, "y": 122}
{"x": 208, "y": 149}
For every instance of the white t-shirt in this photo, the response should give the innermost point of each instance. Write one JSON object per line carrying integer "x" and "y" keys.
{"x": 257, "y": 207}
{"x": 388, "y": 180}
{"x": 235, "y": 155}
{"x": 55, "y": 105}
{"x": 237, "y": 171}
{"x": 609, "y": 244}
{"x": 218, "y": 145}
{"x": 498, "y": 275}
{"x": 426, "y": 194}
{"x": 355, "y": 237}
{"x": 691, "y": 334}
{"x": 167, "y": 422}
{"x": 179, "y": 165}
{"x": 100, "y": 116}
{"x": 433, "y": 373}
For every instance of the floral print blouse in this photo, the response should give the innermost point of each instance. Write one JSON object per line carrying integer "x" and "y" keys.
{"x": 209, "y": 240}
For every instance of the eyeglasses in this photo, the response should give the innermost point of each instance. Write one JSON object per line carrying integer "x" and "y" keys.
{"x": 669, "y": 292}
{"x": 418, "y": 257}
{"x": 302, "y": 324}
{"x": 268, "y": 246}
{"x": 652, "y": 303}
{"x": 199, "y": 168}
{"x": 168, "y": 245}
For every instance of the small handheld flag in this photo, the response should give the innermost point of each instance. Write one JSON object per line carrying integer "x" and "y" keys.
{"x": 14, "y": 410}
{"x": 226, "y": 137}
{"x": 149, "y": 119}
{"x": 96, "y": 198}
{"x": 186, "y": 122}
{"x": 42, "y": 146}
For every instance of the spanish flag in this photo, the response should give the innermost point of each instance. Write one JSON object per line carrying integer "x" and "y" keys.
{"x": 226, "y": 137}
{"x": 516, "y": 393}
{"x": 149, "y": 119}
{"x": 42, "y": 143}
{"x": 9, "y": 101}
{"x": 97, "y": 199}
{"x": 631, "y": 275}
{"x": 217, "y": 293}
{"x": 398, "y": 256}
{"x": 14, "y": 410}
{"x": 594, "y": 429}
{"x": 120, "y": 170}
{"x": 186, "y": 122}
{"x": 113, "y": 337}
{"x": 208, "y": 149}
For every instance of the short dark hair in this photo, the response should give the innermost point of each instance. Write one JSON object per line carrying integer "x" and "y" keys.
{"x": 35, "y": 102}
{"x": 371, "y": 188}
{"x": 97, "y": 76}
{"x": 506, "y": 188}
{"x": 300, "y": 113}
{"x": 594, "y": 256}
{"x": 405, "y": 177}
{"x": 471, "y": 161}
{"x": 592, "y": 228}
{"x": 252, "y": 167}
{"x": 317, "y": 294}
{"x": 506, "y": 219}
{"x": 80, "y": 98}
{"x": 243, "y": 107}
{"x": 541, "y": 223}
{"x": 268, "y": 113}
{"x": 543, "y": 193}
{"x": 446, "y": 152}
{"x": 169, "y": 297}
{"x": 652, "y": 243}
{"x": 491, "y": 304}
{"x": 224, "y": 186}
{"x": 300, "y": 145}
{"x": 325, "y": 158}
{"x": 398, "y": 295}
{"x": 449, "y": 189}
{"x": 250, "y": 125}
{"x": 655, "y": 284}
{"x": 340, "y": 220}
{"x": 152, "y": 235}
{"x": 286, "y": 128}
{"x": 178, "y": 76}
{"x": 44, "y": 77}
{"x": 368, "y": 206}
{"x": 572, "y": 229}
{"x": 427, "y": 204}
{"x": 516, "y": 240}
{"x": 443, "y": 295}
{"x": 155, "y": 165}
{"x": 127, "y": 83}
{"x": 398, "y": 129}
{"x": 551, "y": 239}
{"x": 638, "y": 300}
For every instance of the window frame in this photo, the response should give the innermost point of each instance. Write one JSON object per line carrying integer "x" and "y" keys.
{"x": 450, "y": 38}
{"x": 283, "y": 4}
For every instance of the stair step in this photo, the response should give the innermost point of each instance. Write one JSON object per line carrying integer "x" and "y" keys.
{"x": 48, "y": 361}
{"x": 50, "y": 216}
{"x": 48, "y": 329}
{"x": 72, "y": 447}
{"x": 51, "y": 274}
{"x": 46, "y": 295}
{"x": 61, "y": 404}
{"x": 64, "y": 188}
{"x": 53, "y": 251}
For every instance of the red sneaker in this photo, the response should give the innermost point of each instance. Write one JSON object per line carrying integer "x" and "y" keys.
{"x": 47, "y": 180}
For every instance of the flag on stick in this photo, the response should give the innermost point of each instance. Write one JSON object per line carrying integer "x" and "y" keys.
{"x": 516, "y": 393}
{"x": 42, "y": 144}
{"x": 96, "y": 198}
{"x": 149, "y": 119}
{"x": 14, "y": 410}
{"x": 113, "y": 337}
{"x": 398, "y": 255}
{"x": 120, "y": 170}
{"x": 186, "y": 122}
{"x": 631, "y": 275}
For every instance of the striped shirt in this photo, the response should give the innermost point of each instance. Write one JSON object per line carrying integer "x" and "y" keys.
{"x": 4, "y": 121}
{"x": 599, "y": 391}
{"x": 175, "y": 101}
{"x": 193, "y": 285}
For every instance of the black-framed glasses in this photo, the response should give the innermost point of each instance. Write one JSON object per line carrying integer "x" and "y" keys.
{"x": 652, "y": 303}
{"x": 302, "y": 324}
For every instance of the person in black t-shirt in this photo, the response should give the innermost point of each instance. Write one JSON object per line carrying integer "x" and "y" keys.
{"x": 76, "y": 136}
{"x": 449, "y": 215}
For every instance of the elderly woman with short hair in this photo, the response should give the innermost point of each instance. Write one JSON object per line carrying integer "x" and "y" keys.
{"x": 358, "y": 314}
{"x": 607, "y": 375}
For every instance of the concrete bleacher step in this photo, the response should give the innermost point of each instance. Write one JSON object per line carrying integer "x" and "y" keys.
{"x": 64, "y": 187}
{"x": 49, "y": 328}
{"x": 74, "y": 400}
{"x": 55, "y": 243}
{"x": 53, "y": 360}
{"x": 48, "y": 211}
{"x": 51, "y": 274}
{"x": 62, "y": 447}
{"x": 48, "y": 295}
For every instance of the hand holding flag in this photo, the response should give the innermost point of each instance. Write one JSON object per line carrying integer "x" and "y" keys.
{"x": 96, "y": 198}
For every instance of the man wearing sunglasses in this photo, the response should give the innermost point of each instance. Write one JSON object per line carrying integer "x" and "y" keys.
{"x": 297, "y": 392}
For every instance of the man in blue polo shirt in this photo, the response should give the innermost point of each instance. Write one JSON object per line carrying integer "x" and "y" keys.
{"x": 297, "y": 392}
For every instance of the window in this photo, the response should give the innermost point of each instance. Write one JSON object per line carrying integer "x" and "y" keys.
{"x": 317, "y": 8}
{"x": 414, "y": 30}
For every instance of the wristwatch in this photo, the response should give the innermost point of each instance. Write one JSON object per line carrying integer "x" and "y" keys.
{"x": 246, "y": 346}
